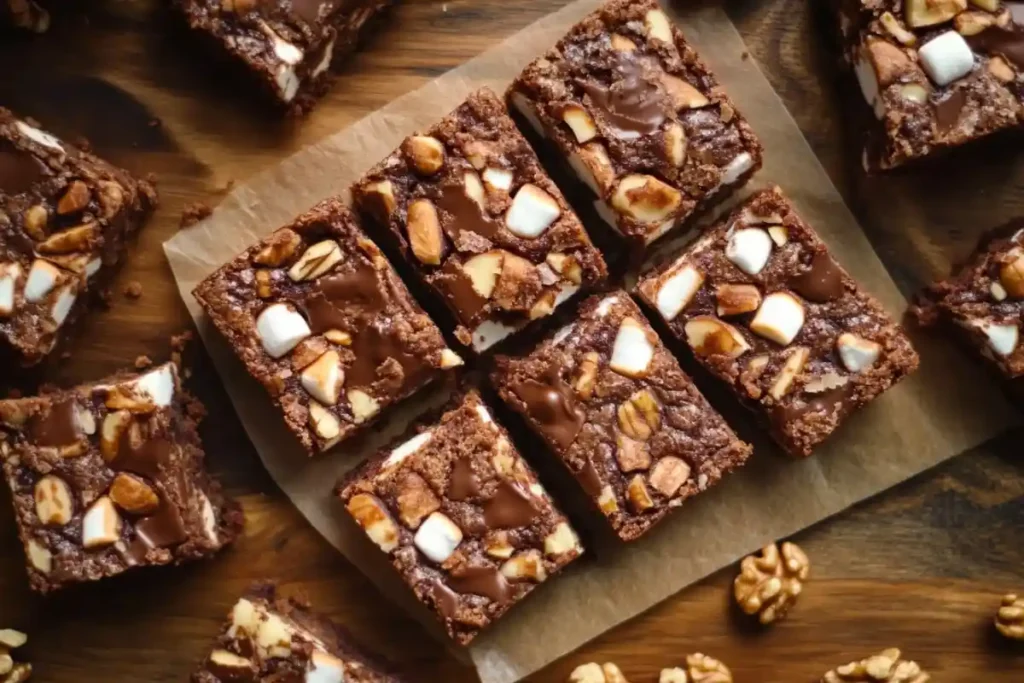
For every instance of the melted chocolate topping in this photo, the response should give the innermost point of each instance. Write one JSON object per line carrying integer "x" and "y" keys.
{"x": 463, "y": 484}
{"x": 58, "y": 427}
{"x": 509, "y": 507}
{"x": 823, "y": 281}
{"x": 947, "y": 111}
{"x": 825, "y": 402}
{"x": 458, "y": 290}
{"x": 465, "y": 214}
{"x": 553, "y": 406}
{"x": 485, "y": 581}
{"x": 1008, "y": 42}
{"x": 372, "y": 346}
{"x": 19, "y": 170}
{"x": 590, "y": 479}
{"x": 445, "y": 600}
{"x": 631, "y": 104}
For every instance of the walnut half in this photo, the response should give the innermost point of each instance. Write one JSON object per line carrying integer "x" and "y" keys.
{"x": 1010, "y": 617}
{"x": 699, "y": 669}
{"x": 768, "y": 585}
{"x": 885, "y": 667}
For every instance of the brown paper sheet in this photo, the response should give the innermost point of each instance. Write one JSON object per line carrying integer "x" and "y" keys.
{"x": 941, "y": 411}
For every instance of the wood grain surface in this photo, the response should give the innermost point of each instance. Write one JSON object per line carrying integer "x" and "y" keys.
{"x": 920, "y": 567}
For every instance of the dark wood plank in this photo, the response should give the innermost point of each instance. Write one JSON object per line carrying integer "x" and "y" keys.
{"x": 921, "y": 567}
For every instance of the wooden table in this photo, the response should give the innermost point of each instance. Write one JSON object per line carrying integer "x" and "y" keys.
{"x": 920, "y": 567}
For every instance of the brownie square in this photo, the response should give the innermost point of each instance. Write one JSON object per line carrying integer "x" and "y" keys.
{"x": 982, "y": 300}
{"x": 110, "y": 476}
{"x": 614, "y": 405}
{"x": 317, "y": 315}
{"x": 269, "y": 637}
{"x": 65, "y": 217}
{"x": 936, "y": 75}
{"x": 630, "y": 106}
{"x": 471, "y": 210}
{"x": 462, "y": 517}
{"x": 767, "y": 310}
{"x": 287, "y": 46}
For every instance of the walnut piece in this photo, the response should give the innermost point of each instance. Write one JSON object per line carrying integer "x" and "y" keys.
{"x": 1010, "y": 617}
{"x": 699, "y": 668}
{"x": 768, "y": 585}
{"x": 885, "y": 667}
{"x": 597, "y": 673}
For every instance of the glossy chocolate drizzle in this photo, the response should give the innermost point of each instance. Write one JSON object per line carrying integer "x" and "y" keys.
{"x": 821, "y": 282}
{"x": 552, "y": 405}
{"x": 19, "y": 170}
{"x": 1007, "y": 42}
{"x": 57, "y": 427}
{"x": 631, "y": 104}
{"x": 485, "y": 581}
{"x": 463, "y": 484}
{"x": 509, "y": 507}
{"x": 466, "y": 215}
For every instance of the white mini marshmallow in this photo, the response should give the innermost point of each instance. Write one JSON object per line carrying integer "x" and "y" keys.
{"x": 749, "y": 249}
{"x": 498, "y": 178}
{"x": 633, "y": 351}
{"x": 209, "y": 517}
{"x": 659, "y": 230}
{"x": 158, "y": 385}
{"x": 532, "y": 212}
{"x": 1002, "y": 338}
{"x": 8, "y": 280}
{"x": 946, "y": 58}
{"x": 326, "y": 669}
{"x": 780, "y": 318}
{"x": 323, "y": 378}
{"x": 490, "y": 332}
{"x": 38, "y": 136}
{"x": 529, "y": 112}
{"x": 281, "y": 329}
{"x": 678, "y": 291}
{"x": 62, "y": 306}
{"x": 41, "y": 279}
{"x": 739, "y": 165}
{"x": 438, "y": 537}
{"x": 606, "y": 304}
{"x": 406, "y": 449}
{"x": 101, "y": 524}
{"x": 856, "y": 352}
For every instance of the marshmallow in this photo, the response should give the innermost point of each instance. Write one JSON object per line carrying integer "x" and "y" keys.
{"x": 749, "y": 249}
{"x": 633, "y": 351}
{"x": 946, "y": 58}
{"x": 739, "y": 165}
{"x": 100, "y": 525}
{"x": 323, "y": 378}
{"x": 1002, "y": 338}
{"x": 581, "y": 123}
{"x": 780, "y": 318}
{"x": 490, "y": 332}
{"x": 41, "y": 279}
{"x": 62, "y": 306}
{"x": 856, "y": 352}
{"x": 606, "y": 304}
{"x": 159, "y": 385}
{"x": 326, "y": 669}
{"x": 406, "y": 449}
{"x": 209, "y": 517}
{"x": 38, "y": 136}
{"x": 8, "y": 279}
{"x": 533, "y": 210}
{"x": 438, "y": 537}
{"x": 280, "y": 329}
{"x": 498, "y": 178}
{"x": 678, "y": 291}
{"x": 273, "y": 635}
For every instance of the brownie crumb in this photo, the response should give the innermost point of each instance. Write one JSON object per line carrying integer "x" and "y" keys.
{"x": 193, "y": 213}
{"x": 133, "y": 290}
{"x": 143, "y": 362}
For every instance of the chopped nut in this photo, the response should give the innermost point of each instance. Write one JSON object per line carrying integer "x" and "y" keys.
{"x": 53, "y": 501}
{"x": 709, "y": 336}
{"x": 632, "y": 454}
{"x": 497, "y": 545}
{"x": 526, "y": 565}
{"x": 794, "y": 365}
{"x": 115, "y": 425}
{"x": 75, "y": 199}
{"x": 424, "y": 229}
{"x": 675, "y": 144}
{"x": 1001, "y": 69}
{"x": 682, "y": 94}
{"x": 381, "y": 198}
{"x": 323, "y": 421}
{"x": 477, "y": 152}
{"x": 972, "y": 23}
{"x": 263, "y": 284}
{"x": 425, "y": 154}
{"x": 737, "y": 299}
{"x": 914, "y": 92}
{"x": 700, "y": 668}
{"x": 363, "y": 405}
{"x": 11, "y": 639}
{"x": 566, "y": 266}
{"x": 562, "y": 540}
{"x": 483, "y": 270}
{"x": 40, "y": 557}
{"x": 658, "y": 26}
{"x": 79, "y": 238}
{"x": 621, "y": 43}
{"x": 133, "y": 495}
{"x": 1010, "y": 617}
{"x": 891, "y": 24}
{"x": 518, "y": 280}
{"x": 990, "y": 5}
{"x": 474, "y": 189}
{"x": 668, "y": 474}
{"x": 589, "y": 366}
{"x": 316, "y": 261}
{"x": 768, "y": 585}
{"x": 416, "y": 500}
{"x": 281, "y": 247}
{"x": 645, "y": 198}
{"x": 36, "y": 218}
{"x": 885, "y": 667}
{"x": 930, "y": 12}
{"x": 580, "y": 122}
{"x": 1011, "y": 274}
{"x": 607, "y": 500}
{"x": 101, "y": 525}
{"x": 338, "y": 337}
{"x": 597, "y": 673}
{"x": 133, "y": 290}
{"x": 637, "y": 494}
{"x": 640, "y": 415}
{"x": 373, "y": 517}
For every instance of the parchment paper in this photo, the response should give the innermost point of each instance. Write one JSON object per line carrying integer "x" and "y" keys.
{"x": 943, "y": 410}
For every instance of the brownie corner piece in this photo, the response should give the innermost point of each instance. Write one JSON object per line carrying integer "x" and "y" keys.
{"x": 318, "y": 316}
{"x": 269, "y": 636}
{"x": 471, "y": 210}
{"x": 935, "y": 75}
{"x": 981, "y": 300}
{"x": 767, "y": 310}
{"x": 110, "y": 476}
{"x": 287, "y": 46}
{"x": 462, "y": 517}
{"x": 614, "y": 405}
{"x": 65, "y": 218}
{"x": 639, "y": 118}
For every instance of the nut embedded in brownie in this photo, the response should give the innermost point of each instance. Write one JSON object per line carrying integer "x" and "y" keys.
{"x": 614, "y": 405}
{"x": 110, "y": 476}
{"x": 984, "y": 299}
{"x": 766, "y": 309}
{"x": 65, "y": 216}
{"x": 474, "y": 214}
{"x": 319, "y": 317}
{"x": 462, "y": 517}
{"x": 269, "y": 637}
{"x": 286, "y": 45}
{"x": 937, "y": 73}
{"x": 639, "y": 118}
